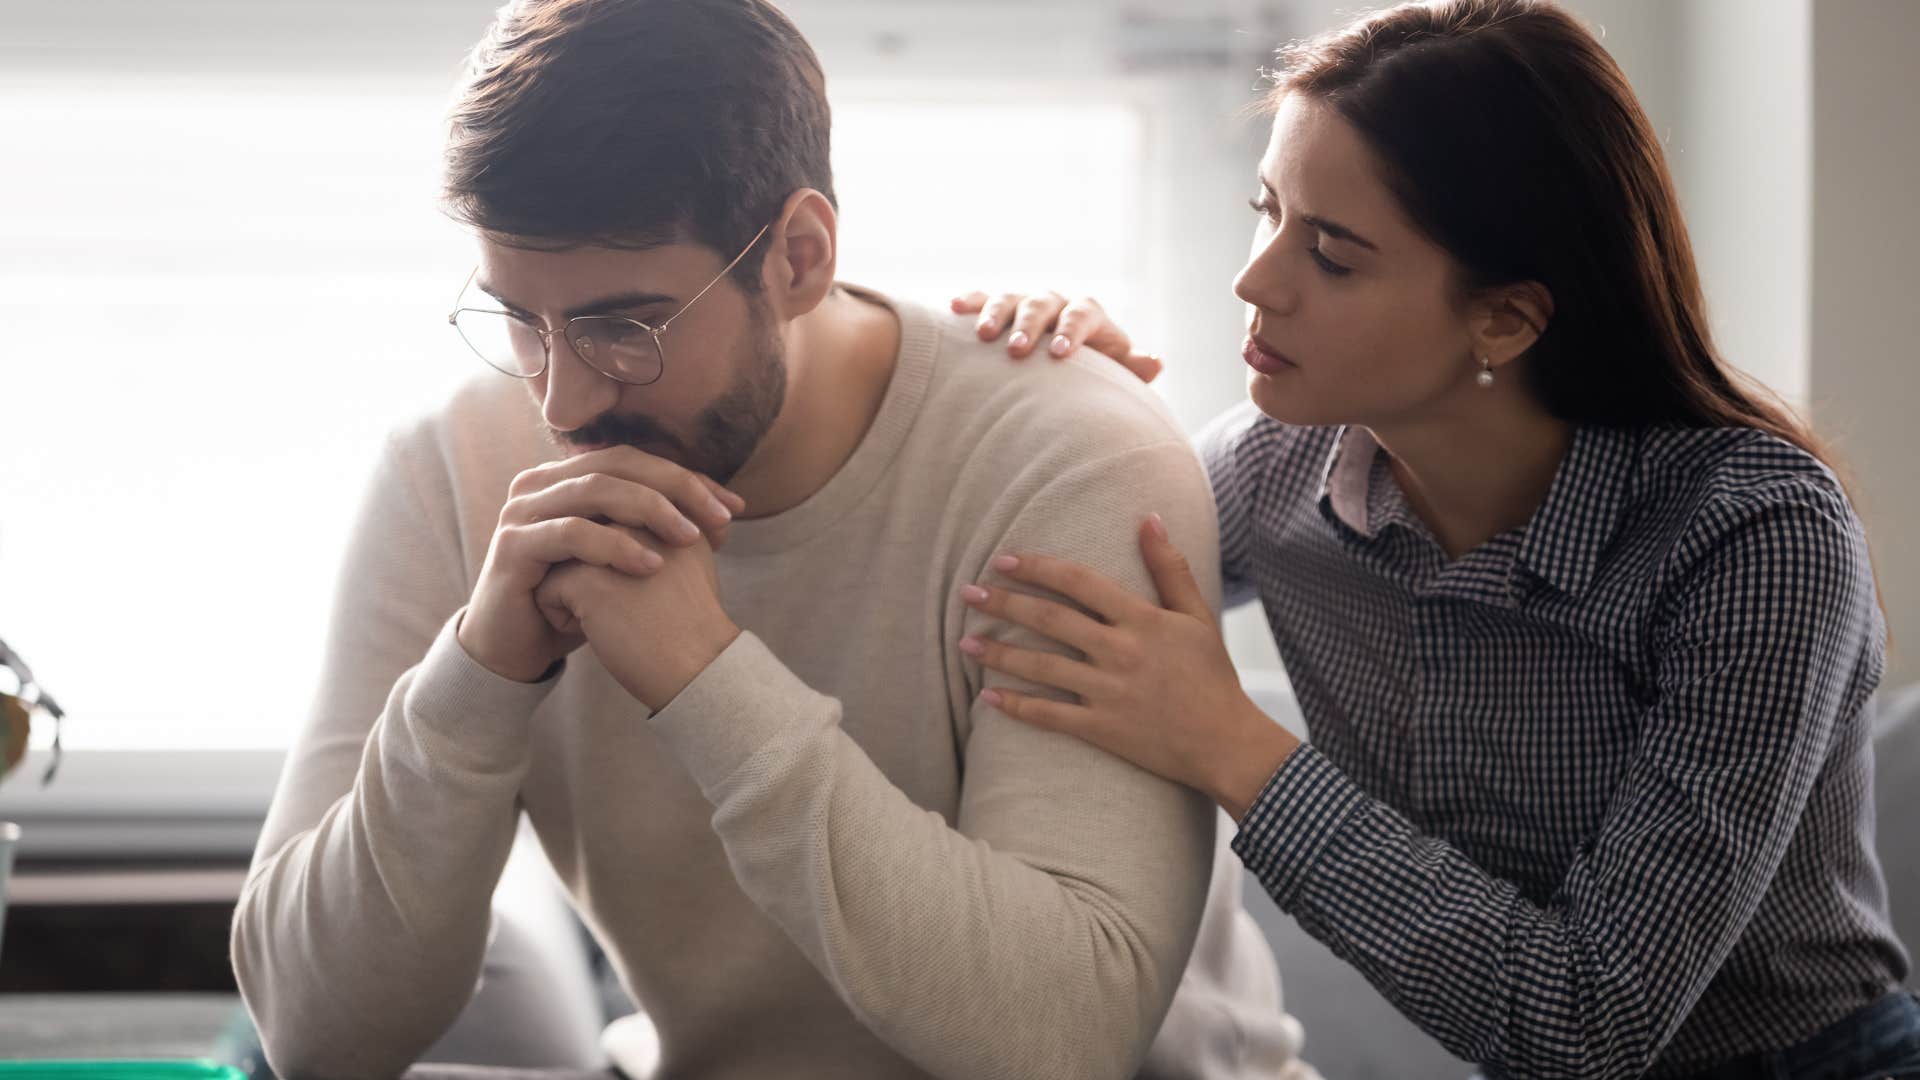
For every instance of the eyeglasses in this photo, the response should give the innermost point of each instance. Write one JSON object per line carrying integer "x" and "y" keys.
{"x": 28, "y": 697}
{"x": 624, "y": 350}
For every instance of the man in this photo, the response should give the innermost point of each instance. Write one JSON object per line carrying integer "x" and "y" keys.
{"x": 769, "y": 783}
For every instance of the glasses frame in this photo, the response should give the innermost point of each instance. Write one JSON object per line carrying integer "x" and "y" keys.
{"x": 547, "y": 333}
{"x": 34, "y": 696}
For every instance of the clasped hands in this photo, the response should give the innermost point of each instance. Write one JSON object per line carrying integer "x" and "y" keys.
{"x": 612, "y": 548}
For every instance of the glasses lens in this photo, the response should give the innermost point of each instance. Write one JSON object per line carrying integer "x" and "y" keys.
{"x": 506, "y": 343}
{"x": 619, "y": 347}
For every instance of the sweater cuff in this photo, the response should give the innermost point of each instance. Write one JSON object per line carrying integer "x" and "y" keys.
{"x": 1298, "y": 813}
{"x": 743, "y": 702}
{"x": 465, "y": 716}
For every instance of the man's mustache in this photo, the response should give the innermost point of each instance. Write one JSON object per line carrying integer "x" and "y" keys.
{"x": 619, "y": 431}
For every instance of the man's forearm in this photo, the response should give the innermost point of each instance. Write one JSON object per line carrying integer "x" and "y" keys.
{"x": 358, "y": 941}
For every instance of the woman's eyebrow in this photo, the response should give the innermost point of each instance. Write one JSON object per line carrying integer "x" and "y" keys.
{"x": 1331, "y": 228}
{"x": 1338, "y": 231}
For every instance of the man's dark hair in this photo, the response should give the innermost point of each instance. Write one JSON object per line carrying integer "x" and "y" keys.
{"x": 635, "y": 123}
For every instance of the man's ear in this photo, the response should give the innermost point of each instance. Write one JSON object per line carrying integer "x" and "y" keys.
{"x": 799, "y": 267}
{"x": 1507, "y": 320}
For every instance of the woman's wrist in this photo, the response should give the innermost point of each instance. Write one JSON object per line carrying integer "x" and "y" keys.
{"x": 1250, "y": 762}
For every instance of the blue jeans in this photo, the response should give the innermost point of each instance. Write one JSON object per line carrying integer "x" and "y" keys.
{"x": 1878, "y": 1042}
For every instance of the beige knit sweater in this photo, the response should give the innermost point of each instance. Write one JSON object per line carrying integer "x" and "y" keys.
{"x": 822, "y": 859}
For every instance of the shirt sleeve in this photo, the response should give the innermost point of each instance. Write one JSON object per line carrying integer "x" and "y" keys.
{"x": 1221, "y": 445}
{"x": 359, "y": 934}
{"x": 1771, "y": 628}
{"x": 1043, "y": 931}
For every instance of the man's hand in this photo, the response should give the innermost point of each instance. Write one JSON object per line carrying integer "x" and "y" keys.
{"x": 653, "y": 634}
{"x": 616, "y": 510}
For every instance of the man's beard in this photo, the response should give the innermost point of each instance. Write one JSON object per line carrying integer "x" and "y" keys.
{"x": 724, "y": 435}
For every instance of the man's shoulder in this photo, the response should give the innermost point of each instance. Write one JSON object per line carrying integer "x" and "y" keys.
{"x": 1083, "y": 404}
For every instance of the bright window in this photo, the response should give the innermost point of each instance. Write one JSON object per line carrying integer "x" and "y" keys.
{"x": 219, "y": 292}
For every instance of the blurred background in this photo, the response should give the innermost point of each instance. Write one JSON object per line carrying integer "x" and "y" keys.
{"x": 223, "y": 277}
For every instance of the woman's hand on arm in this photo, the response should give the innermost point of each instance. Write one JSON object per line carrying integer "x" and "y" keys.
{"x": 1064, "y": 324}
{"x": 1157, "y": 687}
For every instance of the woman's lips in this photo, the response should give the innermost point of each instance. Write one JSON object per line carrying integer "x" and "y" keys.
{"x": 1264, "y": 360}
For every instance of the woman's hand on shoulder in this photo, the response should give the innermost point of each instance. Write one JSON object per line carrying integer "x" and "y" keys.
{"x": 1064, "y": 324}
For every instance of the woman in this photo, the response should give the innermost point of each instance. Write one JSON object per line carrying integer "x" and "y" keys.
{"x": 1584, "y": 629}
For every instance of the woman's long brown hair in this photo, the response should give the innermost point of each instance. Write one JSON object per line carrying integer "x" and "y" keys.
{"x": 1514, "y": 141}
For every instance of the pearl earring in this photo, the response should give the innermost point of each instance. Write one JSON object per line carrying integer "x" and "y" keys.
{"x": 1485, "y": 378}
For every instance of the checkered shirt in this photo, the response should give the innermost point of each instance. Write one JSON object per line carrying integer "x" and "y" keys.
{"x": 1595, "y": 798}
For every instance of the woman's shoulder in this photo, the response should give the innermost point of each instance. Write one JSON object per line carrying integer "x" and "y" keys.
{"x": 1718, "y": 478}
{"x": 1247, "y": 450}
{"x": 1727, "y": 496}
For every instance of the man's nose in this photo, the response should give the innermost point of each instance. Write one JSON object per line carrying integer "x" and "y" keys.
{"x": 575, "y": 392}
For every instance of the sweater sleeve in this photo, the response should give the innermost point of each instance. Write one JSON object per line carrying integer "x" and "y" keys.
{"x": 360, "y": 932}
{"x": 1042, "y": 932}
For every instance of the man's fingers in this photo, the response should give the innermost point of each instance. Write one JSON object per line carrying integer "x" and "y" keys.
{"x": 598, "y": 496}
{"x": 725, "y": 494}
{"x": 550, "y": 599}
{"x": 538, "y": 546}
{"x": 692, "y": 493}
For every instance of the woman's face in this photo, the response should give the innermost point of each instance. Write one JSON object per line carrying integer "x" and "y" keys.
{"x": 1353, "y": 316}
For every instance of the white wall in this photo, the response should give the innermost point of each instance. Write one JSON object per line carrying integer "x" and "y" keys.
{"x": 1865, "y": 376}
{"x": 1743, "y": 107}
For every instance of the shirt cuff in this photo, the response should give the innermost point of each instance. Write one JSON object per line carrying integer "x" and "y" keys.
{"x": 744, "y": 702}
{"x": 464, "y": 715}
{"x": 1303, "y": 806}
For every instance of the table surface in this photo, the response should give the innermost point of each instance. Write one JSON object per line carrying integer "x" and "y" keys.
{"x": 176, "y": 1025}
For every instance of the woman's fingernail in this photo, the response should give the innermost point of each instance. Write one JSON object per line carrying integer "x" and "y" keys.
{"x": 991, "y": 697}
{"x": 1061, "y": 345}
{"x": 1159, "y": 527}
{"x": 973, "y": 594}
{"x": 1019, "y": 340}
{"x": 971, "y": 646}
{"x": 987, "y": 327}
{"x": 1006, "y": 562}
{"x": 719, "y": 508}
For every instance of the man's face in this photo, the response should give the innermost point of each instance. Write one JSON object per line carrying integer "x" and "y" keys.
{"x": 724, "y": 380}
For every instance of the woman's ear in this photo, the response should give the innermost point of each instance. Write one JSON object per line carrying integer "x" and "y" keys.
{"x": 798, "y": 271}
{"x": 1507, "y": 320}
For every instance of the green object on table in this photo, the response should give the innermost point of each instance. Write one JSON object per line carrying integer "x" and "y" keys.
{"x": 118, "y": 1070}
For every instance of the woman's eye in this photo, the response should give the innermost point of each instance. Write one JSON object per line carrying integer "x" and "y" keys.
{"x": 1328, "y": 265}
{"x": 1263, "y": 208}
